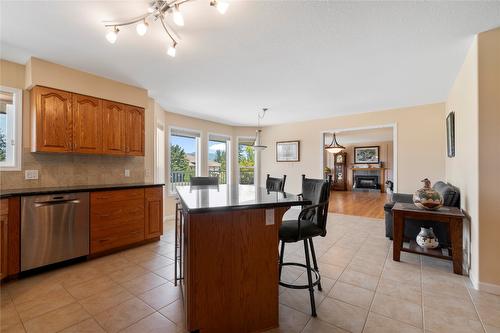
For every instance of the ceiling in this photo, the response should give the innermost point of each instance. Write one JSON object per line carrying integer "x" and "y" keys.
{"x": 302, "y": 59}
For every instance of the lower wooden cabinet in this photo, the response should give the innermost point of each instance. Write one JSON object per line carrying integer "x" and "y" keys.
{"x": 4, "y": 241}
{"x": 116, "y": 219}
{"x": 124, "y": 217}
{"x": 9, "y": 237}
{"x": 153, "y": 219}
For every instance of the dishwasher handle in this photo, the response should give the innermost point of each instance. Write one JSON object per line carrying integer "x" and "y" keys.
{"x": 56, "y": 202}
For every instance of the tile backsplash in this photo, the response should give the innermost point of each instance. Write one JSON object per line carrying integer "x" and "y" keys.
{"x": 73, "y": 169}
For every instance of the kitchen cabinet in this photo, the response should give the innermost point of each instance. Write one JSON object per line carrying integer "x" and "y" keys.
{"x": 114, "y": 128}
{"x": 87, "y": 124}
{"x": 134, "y": 131}
{"x": 9, "y": 237}
{"x": 52, "y": 120}
{"x": 116, "y": 219}
{"x": 65, "y": 122}
{"x": 4, "y": 217}
{"x": 153, "y": 218}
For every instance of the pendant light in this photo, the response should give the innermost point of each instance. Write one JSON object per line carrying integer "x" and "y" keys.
{"x": 257, "y": 144}
{"x": 334, "y": 147}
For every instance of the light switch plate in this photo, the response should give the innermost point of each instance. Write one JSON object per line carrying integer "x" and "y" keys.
{"x": 127, "y": 173}
{"x": 30, "y": 174}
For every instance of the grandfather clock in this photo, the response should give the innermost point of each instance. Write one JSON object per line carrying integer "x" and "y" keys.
{"x": 340, "y": 172}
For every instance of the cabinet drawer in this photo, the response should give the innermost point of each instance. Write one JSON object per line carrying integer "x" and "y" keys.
{"x": 154, "y": 193}
{"x": 105, "y": 197}
{"x": 114, "y": 213}
{"x": 116, "y": 238}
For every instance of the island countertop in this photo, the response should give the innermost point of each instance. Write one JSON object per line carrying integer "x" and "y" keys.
{"x": 234, "y": 197}
{"x": 69, "y": 189}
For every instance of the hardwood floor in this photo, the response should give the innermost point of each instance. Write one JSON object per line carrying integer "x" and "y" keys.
{"x": 358, "y": 203}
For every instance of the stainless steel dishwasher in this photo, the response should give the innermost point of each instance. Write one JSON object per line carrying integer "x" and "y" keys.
{"x": 54, "y": 228}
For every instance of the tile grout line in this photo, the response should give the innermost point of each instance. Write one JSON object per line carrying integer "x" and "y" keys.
{"x": 336, "y": 280}
{"x": 422, "y": 290}
{"x": 375, "y": 292}
{"x": 475, "y": 308}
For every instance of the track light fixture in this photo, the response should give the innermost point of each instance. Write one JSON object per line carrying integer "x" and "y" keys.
{"x": 158, "y": 11}
{"x": 220, "y": 5}
{"x": 171, "y": 50}
{"x": 112, "y": 35}
{"x": 178, "y": 19}
{"x": 142, "y": 28}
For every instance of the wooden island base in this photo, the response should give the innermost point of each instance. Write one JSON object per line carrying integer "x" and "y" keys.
{"x": 231, "y": 280}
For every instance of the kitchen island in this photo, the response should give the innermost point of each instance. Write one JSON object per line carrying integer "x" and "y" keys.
{"x": 231, "y": 257}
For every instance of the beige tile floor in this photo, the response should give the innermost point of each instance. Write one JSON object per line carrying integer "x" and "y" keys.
{"x": 363, "y": 291}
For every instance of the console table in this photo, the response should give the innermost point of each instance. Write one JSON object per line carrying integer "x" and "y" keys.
{"x": 450, "y": 215}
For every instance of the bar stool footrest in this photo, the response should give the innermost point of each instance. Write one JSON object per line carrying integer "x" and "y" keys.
{"x": 315, "y": 282}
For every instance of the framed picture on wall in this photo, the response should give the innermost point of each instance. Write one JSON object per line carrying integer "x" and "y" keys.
{"x": 369, "y": 155}
{"x": 450, "y": 134}
{"x": 288, "y": 151}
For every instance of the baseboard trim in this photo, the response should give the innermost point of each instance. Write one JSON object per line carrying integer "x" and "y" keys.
{"x": 486, "y": 287}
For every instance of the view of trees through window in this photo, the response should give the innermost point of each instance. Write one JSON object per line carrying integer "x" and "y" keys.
{"x": 183, "y": 157}
{"x": 246, "y": 162}
{"x": 217, "y": 160}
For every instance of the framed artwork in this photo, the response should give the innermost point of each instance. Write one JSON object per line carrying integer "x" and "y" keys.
{"x": 450, "y": 134}
{"x": 288, "y": 151}
{"x": 368, "y": 155}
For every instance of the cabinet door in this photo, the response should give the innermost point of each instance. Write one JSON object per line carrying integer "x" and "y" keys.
{"x": 134, "y": 131}
{"x": 3, "y": 245}
{"x": 153, "y": 214}
{"x": 52, "y": 114}
{"x": 113, "y": 128}
{"x": 87, "y": 124}
{"x": 4, "y": 217}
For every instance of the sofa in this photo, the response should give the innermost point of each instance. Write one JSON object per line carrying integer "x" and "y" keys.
{"x": 451, "y": 197}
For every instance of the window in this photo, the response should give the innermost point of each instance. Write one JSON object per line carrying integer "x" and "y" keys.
{"x": 184, "y": 157}
{"x": 246, "y": 161}
{"x": 218, "y": 157}
{"x": 10, "y": 128}
{"x": 160, "y": 155}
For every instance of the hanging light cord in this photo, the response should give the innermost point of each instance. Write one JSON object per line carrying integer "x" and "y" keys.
{"x": 260, "y": 116}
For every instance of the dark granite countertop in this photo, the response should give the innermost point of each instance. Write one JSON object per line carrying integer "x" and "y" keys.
{"x": 234, "y": 197}
{"x": 68, "y": 189}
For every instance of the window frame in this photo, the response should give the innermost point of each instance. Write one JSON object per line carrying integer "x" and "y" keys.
{"x": 244, "y": 138}
{"x": 198, "y": 154}
{"x": 18, "y": 129}
{"x": 159, "y": 178}
{"x": 227, "y": 137}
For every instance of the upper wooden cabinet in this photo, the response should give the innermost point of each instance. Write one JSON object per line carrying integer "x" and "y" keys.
{"x": 114, "y": 128}
{"x": 68, "y": 122}
{"x": 87, "y": 124}
{"x": 52, "y": 120}
{"x": 134, "y": 129}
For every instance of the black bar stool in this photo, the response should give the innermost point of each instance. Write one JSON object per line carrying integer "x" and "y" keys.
{"x": 275, "y": 184}
{"x": 310, "y": 223}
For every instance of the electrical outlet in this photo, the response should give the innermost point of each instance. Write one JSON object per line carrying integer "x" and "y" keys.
{"x": 127, "y": 173}
{"x": 30, "y": 174}
{"x": 147, "y": 171}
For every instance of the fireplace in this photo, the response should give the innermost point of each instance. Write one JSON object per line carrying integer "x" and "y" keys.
{"x": 366, "y": 182}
